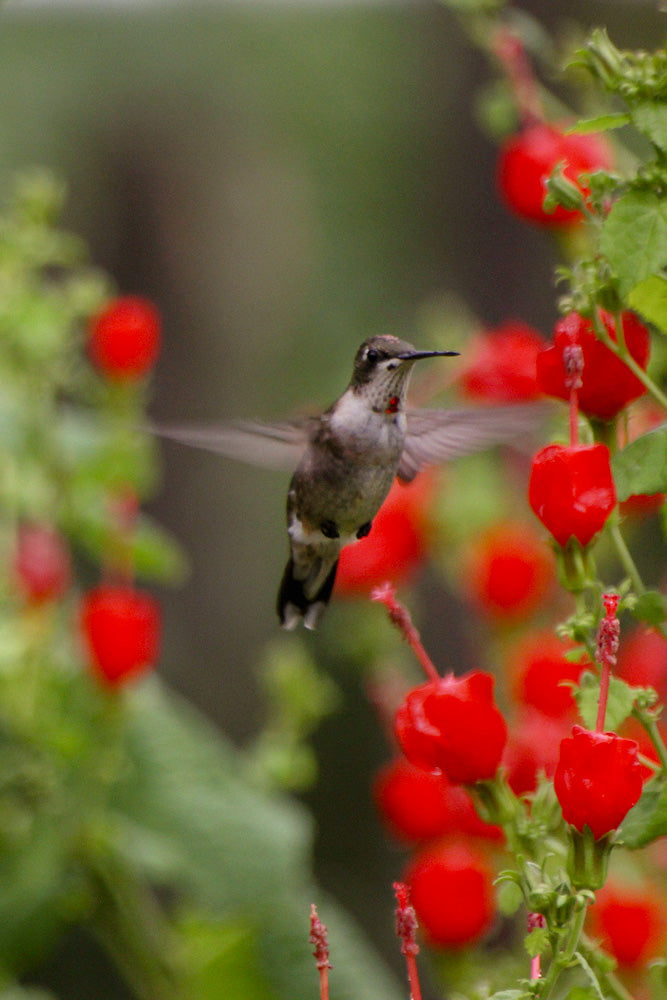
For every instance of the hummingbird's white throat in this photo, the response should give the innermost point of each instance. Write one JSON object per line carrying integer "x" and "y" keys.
{"x": 385, "y": 391}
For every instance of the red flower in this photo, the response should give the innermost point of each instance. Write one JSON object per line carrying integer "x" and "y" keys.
{"x": 396, "y": 545}
{"x": 608, "y": 385}
{"x": 421, "y": 805}
{"x": 631, "y": 922}
{"x": 124, "y": 339}
{"x": 451, "y": 889}
{"x": 509, "y": 571}
{"x": 41, "y": 563}
{"x": 543, "y": 675}
{"x": 598, "y": 780}
{"x": 502, "y": 364}
{"x": 572, "y": 491}
{"x": 532, "y": 749}
{"x": 642, "y": 660}
{"x": 528, "y": 158}
{"x": 121, "y": 627}
{"x": 453, "y": 725}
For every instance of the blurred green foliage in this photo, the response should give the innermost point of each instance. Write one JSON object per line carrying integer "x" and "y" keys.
{"x": 123, "y": 811}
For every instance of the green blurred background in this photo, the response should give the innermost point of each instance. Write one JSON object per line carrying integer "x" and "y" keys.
{"x": 284, "y": 180}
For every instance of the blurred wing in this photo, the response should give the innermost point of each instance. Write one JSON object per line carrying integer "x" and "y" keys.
{"x": 434, "y": 436}
{"x": 274, "y": 445}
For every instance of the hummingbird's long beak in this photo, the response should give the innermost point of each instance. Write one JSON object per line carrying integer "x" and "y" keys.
{"x": 416, "y": 355}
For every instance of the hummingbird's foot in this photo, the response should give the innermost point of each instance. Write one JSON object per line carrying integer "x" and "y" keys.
{"x": 365, "y": 529}
{"x": 330, "y": 529}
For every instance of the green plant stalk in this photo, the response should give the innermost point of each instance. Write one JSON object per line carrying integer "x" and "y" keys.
{"x": 563, "y": 959}
{"x": 626, "y": 559}
{"x": 650, "y": 724}
{"x": 630, "y": 568}
{"x": 621, "y": 351}
{"x": 132, "y": 928}
{"x": 610, "y": 984}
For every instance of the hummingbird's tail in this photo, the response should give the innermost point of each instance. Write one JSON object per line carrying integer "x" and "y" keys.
{"x": 293, "y": 604}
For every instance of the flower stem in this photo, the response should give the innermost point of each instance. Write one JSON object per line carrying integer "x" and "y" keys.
{"x": 650, "y": 724}
{"x": 400, "y": 617}
{"x": 626, "y": 559}
{"x": 562, "y": 960}
{"x": 621, "y": 351}
{"x": 630, "y": 568}
{"x": 318, "y": 938}
{"x": 406, "y": 927}
{"x": 605, "y": 653}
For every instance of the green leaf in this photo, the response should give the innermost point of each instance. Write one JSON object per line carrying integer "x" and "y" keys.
{"x": 509, "y": 995}
{"x": 156, "y": 554}
{"x": 634, "y": 238}
{"x": 650, "y": 117}
{"x": 509, "y": 898}
{"x": 602, "y": 123}
{"x": 647, "y": 820}
{"x": 641, "y": 467}
{"x": 650, "y": 607}
{"x": 649, "y": 298}
{"x": 237, "y": 852}
{"x": 222, "y": 959}
{"x": 17, "y": 992}
{"x": 34, "y": 894}
{"x": 619, "y": 704}
{"x": 537, "y": 941}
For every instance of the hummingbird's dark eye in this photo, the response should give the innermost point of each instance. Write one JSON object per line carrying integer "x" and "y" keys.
{"x": 372, "y": 355}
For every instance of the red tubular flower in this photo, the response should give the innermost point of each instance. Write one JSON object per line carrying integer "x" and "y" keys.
{"x": 528, "y": 158}
{"x": 607, "y": 384}
{"x": 396, "y": 545}
{"x": 509, "y": 571}
{"x": 41, "y": 563}
{"x": 598, "y": 780}
{"x": 542, "y": 675}
{"x": 502, "y": 364}
{"x": 453, "y": 725}
{"x": 422, "y": 805}
{"x": 121, "y": 627}
{"x": 631, "y": 921}
{"x": 532, "y": 749}
{"x": 451, "y": 888}
{"x": 642, "y": 660}
{"x": 572, "y": 491}
{"x": 124, "y": 339}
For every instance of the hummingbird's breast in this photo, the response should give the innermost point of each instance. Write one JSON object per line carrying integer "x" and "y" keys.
{"x": 348, "y": 468}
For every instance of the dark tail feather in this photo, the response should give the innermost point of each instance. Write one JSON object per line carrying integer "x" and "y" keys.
{"x": 293, "y": 603}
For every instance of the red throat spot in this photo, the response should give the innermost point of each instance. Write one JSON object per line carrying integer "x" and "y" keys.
{"x": 393, "y": 405}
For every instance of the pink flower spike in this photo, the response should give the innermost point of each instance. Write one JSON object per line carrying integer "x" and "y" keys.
{"x": 610, "y": 602}
{"x": 400, "y": 617}
{"x": 535, "y": 920}
{"x": 318, "y": 938}
{"x": 406, "y": 929}
{"x": 573, "y": 363}
{"x": 605, "y": 653}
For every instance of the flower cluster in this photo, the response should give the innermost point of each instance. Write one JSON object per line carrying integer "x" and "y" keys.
{"x": 527, "y": 160}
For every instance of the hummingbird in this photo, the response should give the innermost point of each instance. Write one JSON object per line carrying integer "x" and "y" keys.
{"x": 347, "y": 459}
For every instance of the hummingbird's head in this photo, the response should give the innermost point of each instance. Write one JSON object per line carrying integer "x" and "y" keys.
{"x": 382, "y": 367}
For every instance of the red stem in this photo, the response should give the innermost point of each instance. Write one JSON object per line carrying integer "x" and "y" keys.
{"x": 536, "y": 967}
{"x": 318, "y": 938}
{"x": 509, "y": 50}
{"x": 573, "y": 363}
{"x": 574, "y": 418}
{"x": 406, "y": 929}
{"x": 413, "y": 977}
{"x": 400, "y": 617}
{"x": 605, "y": 653}
{"x": 604, "y": 697}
